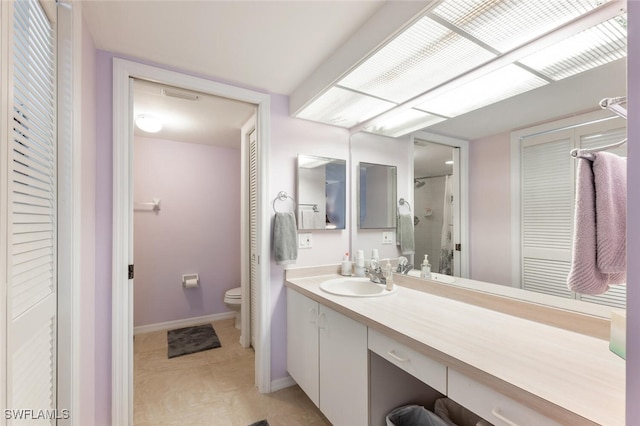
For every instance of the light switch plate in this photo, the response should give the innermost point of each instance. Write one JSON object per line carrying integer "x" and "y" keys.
{"x": 305, "y": 241}
{"x": 387, "y": 237}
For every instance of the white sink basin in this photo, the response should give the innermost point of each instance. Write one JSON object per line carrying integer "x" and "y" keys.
{"x": 355, "y": 287}
{"x": 435, "y": 276}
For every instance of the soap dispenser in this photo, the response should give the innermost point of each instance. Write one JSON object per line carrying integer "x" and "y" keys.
{"x": 346, "y": 265}
{"x": 388, "y": 275}
{"x": 425, "y": 269}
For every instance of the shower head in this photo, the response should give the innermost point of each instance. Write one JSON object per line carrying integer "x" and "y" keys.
{"x": 418, "y": 183}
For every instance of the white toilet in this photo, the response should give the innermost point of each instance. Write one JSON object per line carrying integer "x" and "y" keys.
{"x": 233, "y": 300}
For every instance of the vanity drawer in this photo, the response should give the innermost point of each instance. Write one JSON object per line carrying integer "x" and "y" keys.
{"x": 492, "y": 406}
{"x": 419, "y": 366}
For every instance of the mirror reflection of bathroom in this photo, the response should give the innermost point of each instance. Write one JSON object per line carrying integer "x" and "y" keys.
{"x": 435, "y": 193}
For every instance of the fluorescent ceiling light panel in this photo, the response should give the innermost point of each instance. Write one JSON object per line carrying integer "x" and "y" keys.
{"x": 404, "y": 122}
{"x": 503, "y": 83}
{"x": 425, "y": 55}
{"x": 505, "y": 25}
{"x": 589, "y": 49}
{"x": 344, "y": 108}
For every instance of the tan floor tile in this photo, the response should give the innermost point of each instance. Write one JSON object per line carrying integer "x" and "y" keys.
{"x": 214, "y": 387}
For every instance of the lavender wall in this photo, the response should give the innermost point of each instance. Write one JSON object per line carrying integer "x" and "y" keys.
{"x": 88, "y": 229}
{"x": 104, "y": 232}
{"x": 490, "y": 209}
{"x": 290, "y": 137}
{"x": 196, "y": 231}
{"x": 633, "y": 215}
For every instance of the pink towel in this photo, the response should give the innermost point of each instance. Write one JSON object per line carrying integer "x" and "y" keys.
{"x": 599, "y": 221}
{"x": 610, "y": 173}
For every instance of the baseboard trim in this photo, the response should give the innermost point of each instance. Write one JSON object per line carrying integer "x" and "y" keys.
{"x": 282, "y": 383}
{"x": 182, "y": 323}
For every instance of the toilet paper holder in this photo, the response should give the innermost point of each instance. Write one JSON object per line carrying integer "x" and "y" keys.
{"x": 190, "y": 281}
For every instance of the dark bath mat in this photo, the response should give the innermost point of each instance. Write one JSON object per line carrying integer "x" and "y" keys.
{"x": 189, "y": 340}
{"x": 260, "y": 423}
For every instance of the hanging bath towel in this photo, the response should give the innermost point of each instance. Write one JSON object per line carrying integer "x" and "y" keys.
{"x": 593, "y": 219}
{"x": 285, "y": 238}
{"x": 610, "y": 174}
{"x": 404, "y": 233}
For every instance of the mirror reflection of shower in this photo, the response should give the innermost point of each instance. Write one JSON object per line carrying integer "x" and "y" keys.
{"x": 433, "y": 198}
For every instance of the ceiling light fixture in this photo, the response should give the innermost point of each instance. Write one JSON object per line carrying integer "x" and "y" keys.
{"x": 148, "y": 123}
{"x": 458, "y": 57}
{"x": 180, "y": 94}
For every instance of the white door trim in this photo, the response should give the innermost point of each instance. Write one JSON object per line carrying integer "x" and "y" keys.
{"x": 122, "y": 318}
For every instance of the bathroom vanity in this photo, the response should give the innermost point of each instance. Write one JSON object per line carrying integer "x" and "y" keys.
{"x": 507, "y": 368}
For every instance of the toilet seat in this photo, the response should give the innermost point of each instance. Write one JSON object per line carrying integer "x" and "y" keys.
{"x": 233, "y": 296}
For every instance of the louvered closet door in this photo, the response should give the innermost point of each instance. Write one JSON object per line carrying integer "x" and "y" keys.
{"x": 31, "y": 203}
{"x": 253, "y": 230}
{"x": 547, "y": 213}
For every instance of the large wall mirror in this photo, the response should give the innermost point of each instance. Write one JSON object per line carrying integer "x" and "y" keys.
{"x": 377, "y": 195}
{"x": 321, "y": 193}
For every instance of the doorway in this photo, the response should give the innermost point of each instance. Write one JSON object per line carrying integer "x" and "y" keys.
{"x": 122, "y": 294}
{"x": 439, "y": 194}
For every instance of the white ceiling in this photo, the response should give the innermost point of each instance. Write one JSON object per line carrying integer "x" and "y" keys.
{"x": 210, "y": 120}
{"x": 274, "y": 46}
{"x": 264, "y": 45}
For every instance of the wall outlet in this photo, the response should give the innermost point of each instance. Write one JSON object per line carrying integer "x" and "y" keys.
{"x": 304, "y": 241}
{"x": 387, "y": 237}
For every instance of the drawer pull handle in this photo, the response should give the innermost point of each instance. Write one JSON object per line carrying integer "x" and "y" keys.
{"x": 393, "y": 355}
{"x": 496, "y": 412}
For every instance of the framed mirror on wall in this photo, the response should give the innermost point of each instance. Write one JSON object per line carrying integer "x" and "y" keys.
{"x": 321, "y": 193}
{"x": 377, "y": 196}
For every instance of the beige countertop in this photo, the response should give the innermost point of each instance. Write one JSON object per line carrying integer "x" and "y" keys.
{"x": 570, "y": 377}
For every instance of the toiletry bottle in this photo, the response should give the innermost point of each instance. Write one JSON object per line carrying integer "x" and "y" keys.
{"x": 360, "y": 263}
{"x": 346, "y": 265}
{"x": 388, "y": 275}
{"x": 425, "y": 269}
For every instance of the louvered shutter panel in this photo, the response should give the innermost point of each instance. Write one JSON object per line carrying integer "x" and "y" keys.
{"x": 547, "y": 214}
{"x": 31, "y": 283}
{"x": 253, "y": 230}
{"x": 548, "y": 194}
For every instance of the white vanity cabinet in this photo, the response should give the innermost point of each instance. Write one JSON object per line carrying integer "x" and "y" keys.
{"x": 327, "y": 356}
{"x": 491, "y": 405}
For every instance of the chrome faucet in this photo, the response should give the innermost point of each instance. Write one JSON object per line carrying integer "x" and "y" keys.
{"x": 403, "y": 265}
{"x": 375, "y": 272}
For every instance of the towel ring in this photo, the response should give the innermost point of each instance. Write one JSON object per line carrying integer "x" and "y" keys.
{"x": 282, "y": 196}
{"x": 402, "y": 202}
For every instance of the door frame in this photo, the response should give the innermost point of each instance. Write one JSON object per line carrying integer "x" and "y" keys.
{"x": 461, "y": 170}
{"x": 122, "y": 255}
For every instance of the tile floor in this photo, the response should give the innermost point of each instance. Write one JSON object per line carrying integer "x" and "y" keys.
{"x": 214, "y": 387}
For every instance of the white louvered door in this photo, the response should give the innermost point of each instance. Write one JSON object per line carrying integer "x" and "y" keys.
{"x": 253, "y": 230}
{"x": 547, "y": 206}
{"x": 30, "y": 147}
{"x": 547, "y": 213}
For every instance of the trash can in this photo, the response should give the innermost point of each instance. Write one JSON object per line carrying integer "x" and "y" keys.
{"x": 454, "y": 414}
{"x": 413, "y": 415}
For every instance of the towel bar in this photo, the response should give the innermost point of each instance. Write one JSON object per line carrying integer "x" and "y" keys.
{"x": 282, "y": 196}
{"x": 402, "y": 202}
